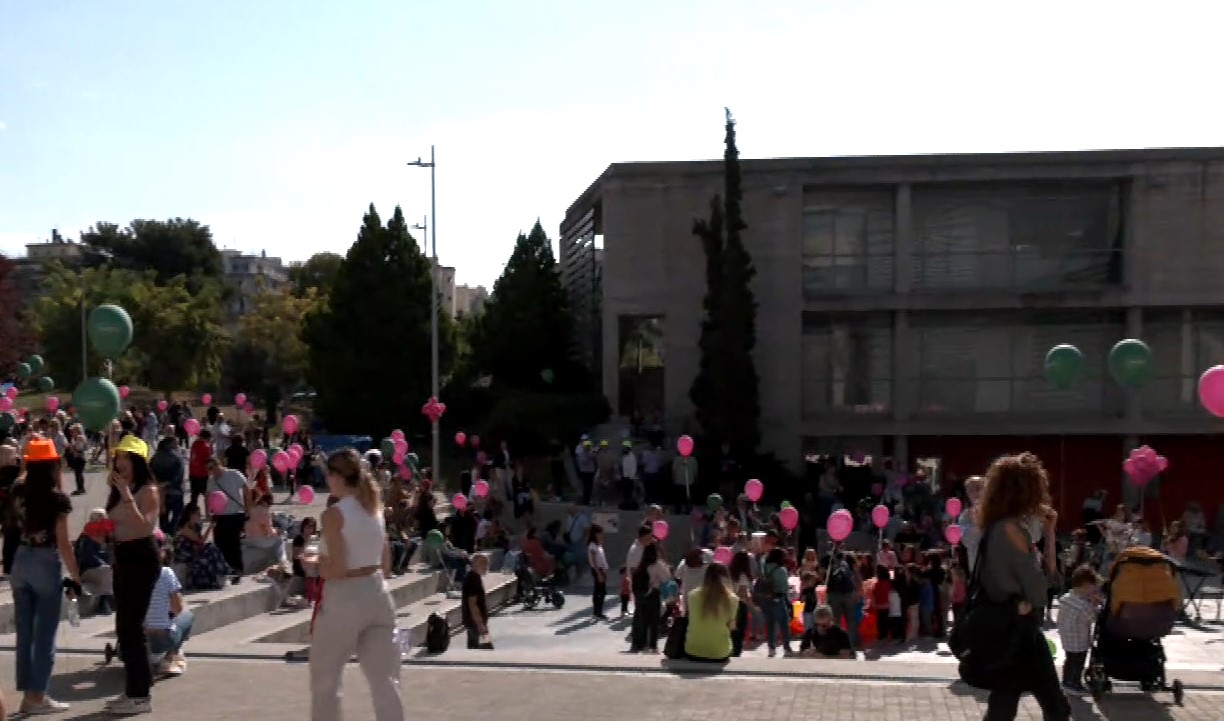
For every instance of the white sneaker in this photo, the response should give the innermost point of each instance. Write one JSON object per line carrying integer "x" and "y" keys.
{"x": 47, "y": 706}
{"x": 126, "y": 706}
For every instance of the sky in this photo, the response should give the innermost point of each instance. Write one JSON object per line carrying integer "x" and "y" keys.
{"x": 277, "y": 123}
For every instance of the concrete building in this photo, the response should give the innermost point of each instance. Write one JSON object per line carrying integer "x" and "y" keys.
{"x": 249, "y": 274}
{"x": 905, "y": 304}
{"x": 469, "y": 300}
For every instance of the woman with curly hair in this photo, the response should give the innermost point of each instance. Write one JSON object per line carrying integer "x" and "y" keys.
{"x": 1017, "y": 492}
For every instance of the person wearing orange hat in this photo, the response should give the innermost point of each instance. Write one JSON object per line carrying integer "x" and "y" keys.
{"x": 134, "y": 506}
{"x": 38, "y": 579}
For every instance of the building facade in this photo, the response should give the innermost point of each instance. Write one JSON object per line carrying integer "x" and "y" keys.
{"x": 250, "y": 274}
{"x": 469, "y": 300}
{"x": 905, "y": 304}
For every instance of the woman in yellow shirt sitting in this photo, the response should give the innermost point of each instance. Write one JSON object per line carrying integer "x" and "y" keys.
{"x": 711, "y": 616}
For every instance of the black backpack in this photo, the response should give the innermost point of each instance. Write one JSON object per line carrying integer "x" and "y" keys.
{"x": 841, "y": 580}
{"x": 437, "y": 634}
{"x": 989, "y": 635}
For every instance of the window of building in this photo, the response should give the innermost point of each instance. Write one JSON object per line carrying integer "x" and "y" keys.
{"x": 1030, "y": 237}
{"x": 848, "y": 242}
{"x": 641, "y": 364}
{"x": 846, "y": 363}
{"x": 1184, "y": 343}
{"x": 994, "y": 363}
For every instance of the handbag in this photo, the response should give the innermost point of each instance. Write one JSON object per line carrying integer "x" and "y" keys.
{"x": 673, "y": 648}
{"x": 984, "y": 640}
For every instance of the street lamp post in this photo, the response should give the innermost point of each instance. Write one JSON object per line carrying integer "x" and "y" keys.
{"x": 433, "y": 300}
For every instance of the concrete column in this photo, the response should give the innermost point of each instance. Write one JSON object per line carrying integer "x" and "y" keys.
{"x": 900, "y": 453}
{"x": 902, "y": 367}
{"x": 1134, "y": 400}
{"x": 904, "y": 239}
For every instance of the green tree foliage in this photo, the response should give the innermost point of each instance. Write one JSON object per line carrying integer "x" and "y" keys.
{"x": 726, "y": 391}
{"x": 524, "y": 336}
{"x": 317, "y": 272}
{"x": 268, "y": 356}
{"x": 169, "y": 248}
{"x": 370, "y": 341}
{"x": 178, "y": 340}
{"x": 16, "y": 338}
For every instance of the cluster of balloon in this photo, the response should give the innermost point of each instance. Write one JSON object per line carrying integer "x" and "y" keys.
{"x": 97, "y": 400}
{"x": 660, "y": 530}
{"x": 433, "y": 409}
{"x": 1130, "y": 364}
{"x": 839, "y": 525}
{"x": 1143, "y": 465}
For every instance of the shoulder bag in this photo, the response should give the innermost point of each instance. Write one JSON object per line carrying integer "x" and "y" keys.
{"x": 984, "y": 640}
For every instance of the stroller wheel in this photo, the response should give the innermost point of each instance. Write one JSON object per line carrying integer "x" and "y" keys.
{"x": 109, "y": 653}
{"x": 1179, "y": 692}
{"x": 531, "y": 602}
{"x": 558, "y": 599}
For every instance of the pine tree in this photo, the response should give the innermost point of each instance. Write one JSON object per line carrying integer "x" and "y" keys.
{"x": 726, "y": 391}
{"x": 523, "y": 338}
{"x": 370, "y": 343}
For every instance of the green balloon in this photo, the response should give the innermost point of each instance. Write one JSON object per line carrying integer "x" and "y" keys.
{"x": 714, "y": 501}
{"x": 548, "y": 375}
{"x": 110, "y": 330}
{"x": 387, "y": 447}
{"x": 37, "y": 366}
{"x": 412, "y": 460}
{"x": 1130, "y": 362}
{"x": 97, "y": 403}
{"x": 786, "y": 504}
{"x": 7, "y": 420}
{"x": 46, "y": 384}
{"x": 434, "y": 539}
{"x": 1064, "y": 365}
{"x": 23, "y": 370}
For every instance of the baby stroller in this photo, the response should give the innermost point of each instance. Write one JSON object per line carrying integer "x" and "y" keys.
{"x": 1142, "y": 599}
{"x": 532, "y": 589}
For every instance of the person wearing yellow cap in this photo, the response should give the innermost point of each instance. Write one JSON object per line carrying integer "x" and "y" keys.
{"x": 41, "y": 511}
{"x": 135, "y": 508}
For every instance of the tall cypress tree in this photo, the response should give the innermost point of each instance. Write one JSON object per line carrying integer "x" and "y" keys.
{"x": 726, "y": 391}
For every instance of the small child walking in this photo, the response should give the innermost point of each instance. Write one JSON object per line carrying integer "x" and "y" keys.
{"x": 1077, "y": 610}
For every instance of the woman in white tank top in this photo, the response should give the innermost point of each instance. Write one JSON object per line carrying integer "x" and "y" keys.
{"x": 357, "y": 614}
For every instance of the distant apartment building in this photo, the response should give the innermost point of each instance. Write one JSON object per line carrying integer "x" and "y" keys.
{"x": 446, "y": 288}
{"x": 28, "y": 271}
{"x": 249, "y": 274}
{"x": 469, "y": 300}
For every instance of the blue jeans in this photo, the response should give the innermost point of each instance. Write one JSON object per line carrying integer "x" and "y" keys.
{"x": 38, "y": 596}
{"x": 171, "y": 640}
{"x": 776, "y": 619}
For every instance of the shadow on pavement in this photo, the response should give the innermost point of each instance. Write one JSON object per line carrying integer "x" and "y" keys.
{"x": 88, "y": 684}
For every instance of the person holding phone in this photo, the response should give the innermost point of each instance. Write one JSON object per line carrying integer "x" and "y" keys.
{"x": 134, "y": 506}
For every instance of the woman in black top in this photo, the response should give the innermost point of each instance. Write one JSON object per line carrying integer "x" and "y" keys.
{"x": 40, "y": 511}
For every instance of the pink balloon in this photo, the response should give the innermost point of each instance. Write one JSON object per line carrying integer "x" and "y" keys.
{"x": 289, "y": 424}
{"x": 281, "y": 461}
{"x": 397, "y": 435}
{"x": 879, "y": 516}
{"x": 460, "y": 439}
{"x": 305, "y": 495}
{"x": 259, "y": 459}
{"x": 953, "y": 508}
{"x": 398, "y": 458}
{"x": 723, "y": 555}
{"x": 217, "y": 503}
{"x": 660, "y": 529}
{"x": 295, "y": 458}
{"x": 52, "y": 403}
{"x": 684, "y": 445}
{"x": 475, "y": 440}
{"x": 839, "y": 526}
{"x": 953, "y": 534}
{"x": 789, "y": 518}
{"x": 1131, "y": 468}
{"x": 124, "y": 391}
{"x": 192, "y": 426}
{"x": 240, "y": 399}
{"x": 459, "y": 501}
{"x": 754, "y": 489}
{"x": 1211, "y": 390}
{"x": 248, "y": 407}
{"x": 405, "y": 472}
{"x": 12, "y": 393}
{"x": 401, "y": 446}
{"x": 297, "y": 450}
{"x": 480, "y": 489}
{"x": 162, "y": 405}
{"x": 206, "y": 399}
{"x": 1161, "y": 464}
{"x": 6, "y": 403}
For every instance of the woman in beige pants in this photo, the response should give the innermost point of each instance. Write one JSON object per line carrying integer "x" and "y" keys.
{"x": 357, "y": 614}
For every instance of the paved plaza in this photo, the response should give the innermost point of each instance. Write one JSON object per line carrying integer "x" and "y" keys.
{"x": 273, "y": 691}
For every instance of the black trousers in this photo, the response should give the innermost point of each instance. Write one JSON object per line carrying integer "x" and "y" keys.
{"x": 1039, "y": 678}
{"x": 598, "y": 595}
{"x": 646, "y": 610}
{"x": 588, "y": 486}
{"x": 227, "y": 534}
{"x": 12, "y": 539}
{"x": 1073, "y": 668}
{"x": 740, "y": 630}
{"x": 137, "y": 568}
{"x": 198, "y": 486}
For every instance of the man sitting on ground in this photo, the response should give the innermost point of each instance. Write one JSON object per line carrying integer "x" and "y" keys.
{"x": 825, "y": 639}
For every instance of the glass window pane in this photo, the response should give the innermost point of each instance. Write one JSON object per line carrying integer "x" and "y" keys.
{"x": 818, "y": 232}
{"x": 851, "y": 232}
